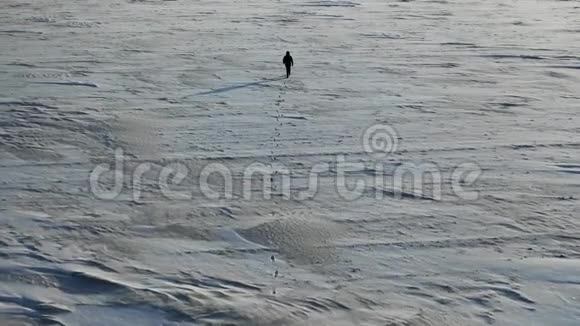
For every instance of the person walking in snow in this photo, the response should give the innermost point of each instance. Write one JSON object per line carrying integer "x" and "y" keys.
{"x": 288, "y": 62}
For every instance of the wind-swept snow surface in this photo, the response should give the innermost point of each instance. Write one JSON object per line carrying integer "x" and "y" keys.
{"x": 421, "y": 166}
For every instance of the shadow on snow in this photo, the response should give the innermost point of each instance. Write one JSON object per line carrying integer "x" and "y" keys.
{"x": 231, "y": 88}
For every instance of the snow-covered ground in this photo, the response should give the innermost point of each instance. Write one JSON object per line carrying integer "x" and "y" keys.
{"x": 185, "y": 98}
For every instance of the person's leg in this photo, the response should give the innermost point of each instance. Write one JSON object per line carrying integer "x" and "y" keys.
{"x": 287, "y": 71}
